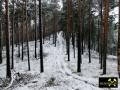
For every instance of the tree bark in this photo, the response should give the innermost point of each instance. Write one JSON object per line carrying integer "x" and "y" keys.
{"x": 17, "y": 27}
{"x": 41, "y": 46}
{"x": 89, "y": 35}
{"x": 35, "y": 30}
{"x": 118, "y": 50}
{"x": 7, "y": 32}
{"x": 22, "y": 49}
{"x": 69, "y": 26}
{"x": 101, "y": 36}
{"x": 0, "y": 41}
{"x": 0, "y": 31}
{"x": 12, "y": 67}
{"x": 79, "y": 36}
{"x": 106, "y": 28}
{"x": 27, "y": 36}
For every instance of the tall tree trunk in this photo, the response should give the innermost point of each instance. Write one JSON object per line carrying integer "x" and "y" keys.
{"x": 68, "y": 45}
{"x": 0, "y": 31}
{"x": 35, "y": 30}
{"x": 27, "y": 36}
{"x": 22, "y": 49}
{"x": 44, "y": 23}
{"x": 106, "y": 28}
{"x": 55, "y": 20}
{"x": 7, "y": 32}
{"x": 118, "y": 52}
{"x": 89, "y": 35}
{"x": 0, "y": 40}
{"x": 101, "y": 36}
{"x": 55, "y": 29}
{"x": 17, "y": 27}
{"x": 12, "y": 67}
{"x": 82, "y": 35}
{"x": 73, "y": 42}
{"x": 79, "y": 36}
{"x": 40, "y": 33}
{"x": 69, "y": 26}
{"x": 98, "y": 38}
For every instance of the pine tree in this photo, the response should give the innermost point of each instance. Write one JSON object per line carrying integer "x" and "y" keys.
{"x": 27, "y": 35}
{"x": 17, "y": 27}
{"x": 79, "y": 36}
{"x": 55, "y": 20}
{"x": 44, "y": 26}
{"x": 101, "y": 36}
{"x": 0, "y": 41}
{"x": 35, "y": 28}
{"x": 118, "y": 50}
{"x": 69, "y": 26}
{"x": 40, "y": 36}
{"x": 7, "y": 32}
{"x": 22, "y": 49}
{"x": 0, "y": 31}
{"x": 89, "y": 35}
{"x": 13, "y": 2}
{"x": 106, "y": 28}
{"x": 54, "y": 27}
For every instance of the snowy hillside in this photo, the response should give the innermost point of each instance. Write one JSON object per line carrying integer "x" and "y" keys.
{"x": 59, "y": 73}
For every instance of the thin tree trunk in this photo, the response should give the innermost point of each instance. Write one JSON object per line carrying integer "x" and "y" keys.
{"x": 98, "y": 48}
{"x": 82, "y": 35}
{"x": 22, "y": 49}
{"x": 68, "y": 45}
{"x": 79, "y": 37}
{"x": 18, "y": 40}
{"x": 55, "y": 29}
{"x": 7, "y": 32}
{"x": 27, "y": 35}
{"x": 40, "y": 33}
{"x": 44, "y": 23}
{"x": 0, "y": 41}
{"x": 35, "y": 30}
{"x": 101, "y": 38}
{"x": 73, "y": 42}
{"x": 12, "y": 67}
{"x": 89, "y": 35}
{"x": 69, "y": 25}
{"x": 0, "y": 32}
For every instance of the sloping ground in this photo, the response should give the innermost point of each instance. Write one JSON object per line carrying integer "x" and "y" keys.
{"x": 59, "y": 73}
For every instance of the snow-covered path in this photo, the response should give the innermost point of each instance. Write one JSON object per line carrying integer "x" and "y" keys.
{"x": 59, "y": 73}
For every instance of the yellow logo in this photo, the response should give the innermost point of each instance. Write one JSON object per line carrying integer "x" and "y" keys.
{"x": 112, "y": 82}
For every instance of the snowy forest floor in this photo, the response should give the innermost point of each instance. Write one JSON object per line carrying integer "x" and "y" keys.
{"x": 59, "y": 74}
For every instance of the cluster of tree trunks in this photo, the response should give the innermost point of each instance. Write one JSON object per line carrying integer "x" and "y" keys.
{"x": 103, "y": 28}
{"x": 24, "y": 26}
{"x": 82, "y": 41}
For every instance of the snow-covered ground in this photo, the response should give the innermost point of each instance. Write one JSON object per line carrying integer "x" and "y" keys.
{"x": 115, "y": 13}
{"x": 59, "y": 74}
